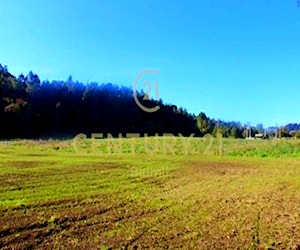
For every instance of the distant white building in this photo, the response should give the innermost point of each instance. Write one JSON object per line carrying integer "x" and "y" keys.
{"x": 259, "y": 136}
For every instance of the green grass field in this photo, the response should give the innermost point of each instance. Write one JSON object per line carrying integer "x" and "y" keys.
{"x": 157, "y": 193}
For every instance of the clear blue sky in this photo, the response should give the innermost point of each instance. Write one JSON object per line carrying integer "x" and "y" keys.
{"x": 234, "y": 60}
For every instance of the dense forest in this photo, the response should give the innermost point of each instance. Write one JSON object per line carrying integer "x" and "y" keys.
{"x": 31, "y": 108}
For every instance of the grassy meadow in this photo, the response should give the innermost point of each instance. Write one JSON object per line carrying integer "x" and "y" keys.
{"x": 157, "y": 193}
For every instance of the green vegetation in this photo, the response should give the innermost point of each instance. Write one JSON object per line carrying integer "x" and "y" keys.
{"x": 31, "y": 108}
{"x": 205, "y": 193}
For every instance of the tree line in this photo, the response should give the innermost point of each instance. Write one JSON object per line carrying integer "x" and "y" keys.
{"x": 31, "y": 108}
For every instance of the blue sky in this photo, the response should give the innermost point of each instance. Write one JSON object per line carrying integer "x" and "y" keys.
{"x": 235, "y": 60}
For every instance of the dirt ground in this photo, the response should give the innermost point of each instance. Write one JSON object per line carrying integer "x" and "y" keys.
{"x": 202, "y": 205}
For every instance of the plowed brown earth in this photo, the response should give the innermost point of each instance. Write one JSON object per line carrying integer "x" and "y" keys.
{"x": 204, "y": 204}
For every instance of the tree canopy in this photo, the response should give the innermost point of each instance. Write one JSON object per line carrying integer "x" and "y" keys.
{"x": 31, "y": 108}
